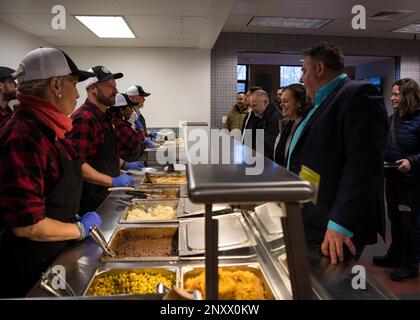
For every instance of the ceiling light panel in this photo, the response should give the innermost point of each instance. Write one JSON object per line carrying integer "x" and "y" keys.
{"x": 411, "y": 28}
{"x": 282, "y": 22}
{"x": 107, "y": 26}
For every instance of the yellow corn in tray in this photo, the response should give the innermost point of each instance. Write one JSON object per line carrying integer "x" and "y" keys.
{"x": 129, "y": 282}
{"x": 233, "y": 285}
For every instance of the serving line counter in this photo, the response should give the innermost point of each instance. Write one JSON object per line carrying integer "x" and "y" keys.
{"x": 81, "y": 260}
{"x": 263, "y": 238}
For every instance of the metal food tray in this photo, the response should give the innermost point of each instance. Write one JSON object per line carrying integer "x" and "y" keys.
{"x": 282, "y": 259}
{"x": 235, "y": 238}
{"x": 160, "y": 192}
{"x": 166, "y": 174}
{"x": 254, "y": 267}
{"x": 181, "y": 187}
{"x": 267, "y": 218}
{"x": 170, "y": 230}
{"x": 177, "y": 205}
{"x": 192, "y": 209}
{"x": 164, "y": 270}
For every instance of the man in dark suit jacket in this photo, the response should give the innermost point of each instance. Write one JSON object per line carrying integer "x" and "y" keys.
{"x": 342, "y": 140}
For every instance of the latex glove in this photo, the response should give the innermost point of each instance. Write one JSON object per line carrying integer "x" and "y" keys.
{"x": 150, "y": 143}
{"x": 135, "y": 165}
{"x": 138, "y": 124}
{"x": 153, "y": 134}
{"x": 90, "y": 219}
{"x": 123, "y": 180}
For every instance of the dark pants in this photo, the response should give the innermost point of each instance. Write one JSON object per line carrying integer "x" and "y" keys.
{"x": 403, "y": 201}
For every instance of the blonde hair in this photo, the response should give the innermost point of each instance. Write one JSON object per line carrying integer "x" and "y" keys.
{"x": 36, "y": 87}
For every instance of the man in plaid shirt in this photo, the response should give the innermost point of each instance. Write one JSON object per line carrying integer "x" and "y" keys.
{"x": 95, "y": 140}
{"x": 128, "y": 140}
{"x": 7, "y": 93}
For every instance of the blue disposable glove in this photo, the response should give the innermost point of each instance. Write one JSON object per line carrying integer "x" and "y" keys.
{"x": 135, "y": 165}
{"x": 138, "y": 124}
{"x": 150, "y": 143}
{"x": 90, "y": 219}
{"x": 153, "y": 134}
{"x": 123, "y": 180}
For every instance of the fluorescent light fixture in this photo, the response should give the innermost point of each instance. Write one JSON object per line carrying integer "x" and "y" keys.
{"x": 411, "y": 28}
{"x": 107, "y": 26}
{"x": 281, "y": 22}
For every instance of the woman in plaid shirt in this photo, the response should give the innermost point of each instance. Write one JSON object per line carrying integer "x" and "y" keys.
{"x": 40, "y": 180}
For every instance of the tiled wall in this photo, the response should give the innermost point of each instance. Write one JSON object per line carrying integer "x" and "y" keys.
{"x": 224, "y": 59}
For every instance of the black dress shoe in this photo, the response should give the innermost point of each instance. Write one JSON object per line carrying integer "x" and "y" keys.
{"x": 386, "y": 261}
{"x": 404, "y": 273}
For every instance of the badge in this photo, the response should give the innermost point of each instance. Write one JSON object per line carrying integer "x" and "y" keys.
{"x": 313, "y": 178}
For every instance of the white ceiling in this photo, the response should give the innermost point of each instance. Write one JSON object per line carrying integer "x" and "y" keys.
{"x": 156, "y": 23}
{"x": 339, "y": 10}
{"x": 198, "y": 23}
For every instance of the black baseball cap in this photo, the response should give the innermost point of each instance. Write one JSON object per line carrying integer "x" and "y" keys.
{"x": 103, "y": 74}
{"x": 137, "y": 91}
{"x": 6, "y": 72}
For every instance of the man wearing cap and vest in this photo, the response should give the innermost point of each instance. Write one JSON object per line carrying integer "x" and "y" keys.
{"x": 138, "y": 96}
{"x": 7, "y": 93}
{"x": 40, "y": 175}
{"x": 128, "y": 140}
{"x": 94, "y": 138}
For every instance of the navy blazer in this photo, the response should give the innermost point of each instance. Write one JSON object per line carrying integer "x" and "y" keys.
{"x": 344, "y": 142}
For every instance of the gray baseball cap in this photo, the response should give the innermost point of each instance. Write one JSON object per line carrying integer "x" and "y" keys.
{"x": 45, "y": 63}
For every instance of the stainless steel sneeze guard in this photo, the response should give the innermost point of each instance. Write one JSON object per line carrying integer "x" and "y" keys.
{"x": 220, "y": 183}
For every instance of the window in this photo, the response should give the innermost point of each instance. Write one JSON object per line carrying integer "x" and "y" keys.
{"x": 241, "y": 77}
{"x": 240, "y": 87}
{"x": 289, "y": 75}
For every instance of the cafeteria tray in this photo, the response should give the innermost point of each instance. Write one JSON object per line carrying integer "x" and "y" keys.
{"x": 254, "y": 267}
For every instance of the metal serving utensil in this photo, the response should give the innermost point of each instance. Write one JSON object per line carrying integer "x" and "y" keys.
{"x": 177, "y": 294}
{"x": 49, "y": 284}
{"x": 99, "y": 238}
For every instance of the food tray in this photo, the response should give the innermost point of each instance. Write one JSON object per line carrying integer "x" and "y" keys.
{"x": 268, "y": 293}
{"x": 171, "y": 178}
{"x": 147, "y": 237}
{"x": 167, "y": 271}
{"x": 151, "y": 205}
{"x": 182, "y": 193}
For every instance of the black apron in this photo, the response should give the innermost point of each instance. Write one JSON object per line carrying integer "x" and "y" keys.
{"x": 23, "y": 260}
{"x": 108, "y": 162}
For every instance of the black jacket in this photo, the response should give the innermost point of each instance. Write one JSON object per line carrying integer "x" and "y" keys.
{"x": 344, "y": 143}
{"x": 269, "y": 122}
{"x": 407, "y": 133}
